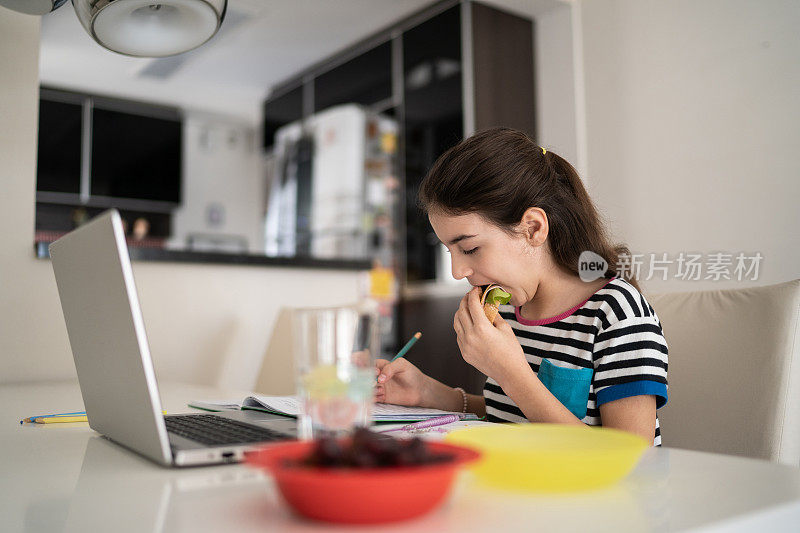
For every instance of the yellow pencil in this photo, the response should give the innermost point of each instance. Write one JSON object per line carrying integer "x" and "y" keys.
{"x": 60, "y": 419}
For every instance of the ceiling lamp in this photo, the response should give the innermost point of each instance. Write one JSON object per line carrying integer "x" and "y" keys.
{"x": 141, "y": 28}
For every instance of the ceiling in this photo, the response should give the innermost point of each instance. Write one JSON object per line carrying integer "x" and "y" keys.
{"x": 261, "y": 43}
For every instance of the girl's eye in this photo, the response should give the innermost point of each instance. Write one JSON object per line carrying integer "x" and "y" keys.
{"x": 467, "y": 252}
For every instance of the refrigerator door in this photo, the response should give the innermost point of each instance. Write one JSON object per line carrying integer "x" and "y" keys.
{"x": 338, "y": 185}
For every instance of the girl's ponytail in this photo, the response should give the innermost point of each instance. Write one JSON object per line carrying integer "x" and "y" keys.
{"x": 591, "y": 227}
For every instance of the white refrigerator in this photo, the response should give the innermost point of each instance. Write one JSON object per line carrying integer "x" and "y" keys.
{"x": 334, "y": 190}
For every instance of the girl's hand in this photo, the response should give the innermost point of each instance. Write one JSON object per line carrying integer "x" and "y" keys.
{"x": 399, "y": 382}
{"x": 491, "y": 348}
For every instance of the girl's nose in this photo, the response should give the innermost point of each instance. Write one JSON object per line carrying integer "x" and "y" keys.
{"x": 460, "y": 270}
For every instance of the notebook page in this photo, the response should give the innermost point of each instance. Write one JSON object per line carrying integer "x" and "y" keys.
{"x": 382, "y": 412}
{"x": 286, "y": 405}
{"x": 216, "y": 405}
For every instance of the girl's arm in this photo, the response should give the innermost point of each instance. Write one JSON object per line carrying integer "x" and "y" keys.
{"x": 636, "y": 414}
{"x": 536, "y": 402}
{"x": 437, "y": 395}
{"x": 495, "y": 351}
{"x": 402, "y": 383}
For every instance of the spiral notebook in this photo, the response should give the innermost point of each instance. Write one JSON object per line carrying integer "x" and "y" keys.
{"x": 290, "y": 406}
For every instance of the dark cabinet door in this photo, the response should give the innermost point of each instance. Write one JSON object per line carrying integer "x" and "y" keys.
{"x": 502, "y": 47}
{"x": 365, "y": 79}
{"x": 136, "y": 156}
{"x": 433, "y": 122}
{"x": 281, "y": 110}
{"x": 59, "y": 153}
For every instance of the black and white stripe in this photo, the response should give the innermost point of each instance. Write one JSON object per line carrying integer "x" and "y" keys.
{"x": 616, "y": 332}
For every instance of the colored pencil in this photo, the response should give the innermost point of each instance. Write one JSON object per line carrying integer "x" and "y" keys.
{"x": 60, "y": 419}
{"x": 77, "y": 416}
{"x": 404, "y": 350}
{"x": 31, "y": 419}
{"x": 431, "y": 422}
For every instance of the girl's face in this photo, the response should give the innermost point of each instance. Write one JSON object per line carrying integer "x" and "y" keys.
{"x": 484, "y": 254}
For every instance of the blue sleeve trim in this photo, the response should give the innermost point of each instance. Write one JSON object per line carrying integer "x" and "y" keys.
{"x": 634, "y": 388}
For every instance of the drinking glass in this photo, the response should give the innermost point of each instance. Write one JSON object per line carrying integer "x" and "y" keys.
{"x": 334, "y": 363}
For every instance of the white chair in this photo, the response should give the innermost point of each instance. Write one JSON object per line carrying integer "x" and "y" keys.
{"x": 734, "y": 371}
{"x": 276, "y": 376}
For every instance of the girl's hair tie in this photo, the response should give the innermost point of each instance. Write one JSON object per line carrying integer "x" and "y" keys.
{"x": 543, "y": 151}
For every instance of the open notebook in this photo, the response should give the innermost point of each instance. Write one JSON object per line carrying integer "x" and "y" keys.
{"x": 290, "y": 406}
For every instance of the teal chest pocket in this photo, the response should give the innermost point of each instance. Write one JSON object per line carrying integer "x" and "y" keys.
{"x": 569, "y": 385}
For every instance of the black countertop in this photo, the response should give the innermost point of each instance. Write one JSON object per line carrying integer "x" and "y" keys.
{"x": 175, "y": 256}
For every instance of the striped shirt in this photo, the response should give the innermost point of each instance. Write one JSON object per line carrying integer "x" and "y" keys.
{"x": 609, "y": 347}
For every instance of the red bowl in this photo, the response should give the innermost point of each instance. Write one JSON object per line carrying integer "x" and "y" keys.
{"x": 360, "y": 496}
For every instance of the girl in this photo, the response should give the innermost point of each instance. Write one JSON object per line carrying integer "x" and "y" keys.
{"x": 564, "y": 350}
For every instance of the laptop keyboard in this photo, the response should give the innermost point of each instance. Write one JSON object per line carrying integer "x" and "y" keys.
{"x": 215, "y": 430}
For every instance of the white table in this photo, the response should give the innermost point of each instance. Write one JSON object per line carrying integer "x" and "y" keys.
{"x": 65, "y": 477}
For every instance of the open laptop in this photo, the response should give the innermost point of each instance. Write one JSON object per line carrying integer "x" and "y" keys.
{"x": 106, "y": 332}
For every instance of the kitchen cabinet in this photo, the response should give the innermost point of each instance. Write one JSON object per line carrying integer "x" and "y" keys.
{"x": 281, "y": 109}
{"x": 434, "y": 121}
{"x": 440, "y": 357}
{"x": 465, "y": 70}
{"x": 366, "y": 79}
{"x": 58, "y": 167}
{"x": 136, "y": 155}
{"x": 96, "y": 152}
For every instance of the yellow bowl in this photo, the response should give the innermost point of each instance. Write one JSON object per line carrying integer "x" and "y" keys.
{"x": 551, "y": 457}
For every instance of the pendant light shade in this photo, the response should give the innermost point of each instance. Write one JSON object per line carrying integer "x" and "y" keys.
{"x": 141, "y": 28}
{"x": 147, "y": 29}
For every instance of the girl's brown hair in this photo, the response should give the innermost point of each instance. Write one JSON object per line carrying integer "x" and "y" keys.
{"x": 499, "y": 173}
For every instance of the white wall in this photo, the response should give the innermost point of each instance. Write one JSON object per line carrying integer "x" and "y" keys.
{"x": 207, "y": 324}
{"x": 681, "y": 117}
{"x": 223, "y": 167}
{"x": 19, "y": 273}
{"x": 556, "y": 122}
{"x": 692, "y": 118}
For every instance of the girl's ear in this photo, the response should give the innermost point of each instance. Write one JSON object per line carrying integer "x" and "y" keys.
{"x": 534, "y": 226}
